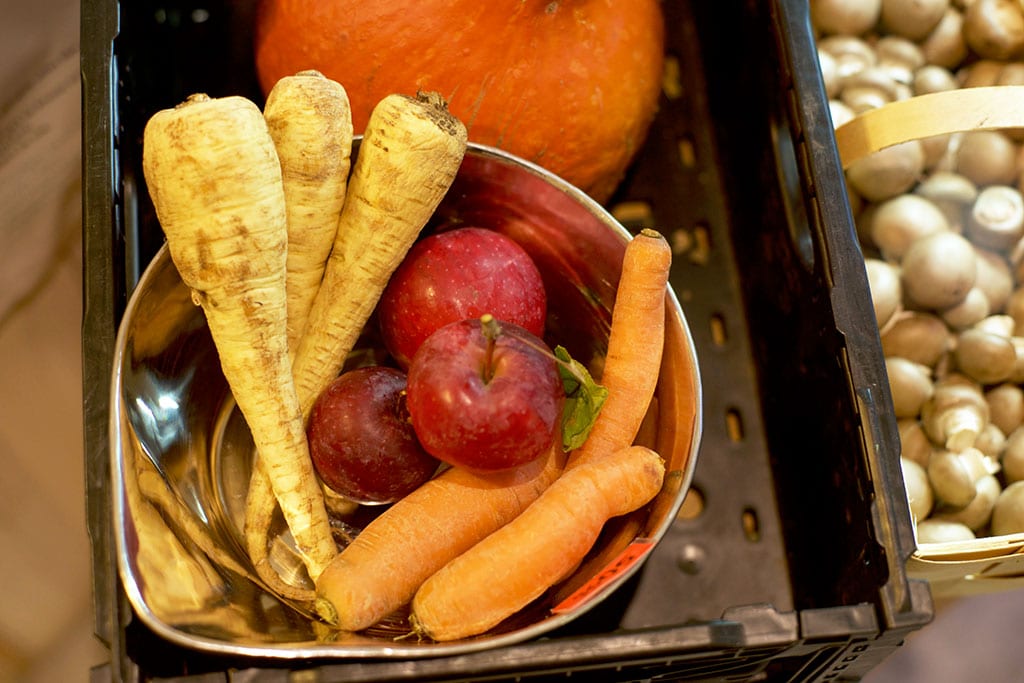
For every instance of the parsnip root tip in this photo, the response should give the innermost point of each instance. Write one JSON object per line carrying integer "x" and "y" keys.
{"x": 326, "y": 611}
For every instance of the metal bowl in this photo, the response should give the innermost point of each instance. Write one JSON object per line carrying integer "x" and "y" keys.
{"x": 181, "y": 452}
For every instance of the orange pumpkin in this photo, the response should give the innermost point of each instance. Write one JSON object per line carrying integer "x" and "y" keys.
{"x": 571, "y": 85}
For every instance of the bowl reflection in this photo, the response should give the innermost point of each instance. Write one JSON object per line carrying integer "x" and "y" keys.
{"x": 181, "y": 453}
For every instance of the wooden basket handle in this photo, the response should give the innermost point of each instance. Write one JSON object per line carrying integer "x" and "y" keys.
{"x": 925, "y": 116}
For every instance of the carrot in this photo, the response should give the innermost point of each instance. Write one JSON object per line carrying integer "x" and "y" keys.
{"x": 381, "y": 569}
{"x": 513, "y": 566}
{"x": 215, "y": 180}
{"x": 635, "y": 345}
{"x": 310, "y": 121}
{"x": 411, "y": 150}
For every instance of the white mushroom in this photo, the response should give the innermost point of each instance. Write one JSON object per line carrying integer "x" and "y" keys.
{"x": 979, "y": 511}
{"x": 1013, "y": 456}
{"x": 899, "y": 57}
{"x": 956, "y": 413}
{"x": 851, "y": 54}
{"x": 996, "y": 219}
{"x": 994, "y": 29}
{"x": 898, "y": 222}
{"x": 1005, "y": 406}
{"x": 986, "y": 357}
{"x": 943, "y": 531}
{"x": 953, "y": 193}
{"x": 999, "y": 323}
{"x": 1018, "y": 345}
{"x": 973, "y": 309}
{"x": 938, "y": 270}
{"x": 870, "y": 88}
{"x": 914, "y": 443}
{"x": 884, "y": 285}
{"x": 1015, "y": 309}
{"x": 981, "y": 73}
{"x": 845, "y": 17}
{"x": 919, "y": 491}
{"x": 1012, "y": 73}
{"x": 987, "y": 157}
{"x": 950, "y": 478}
{"x": 840, "y": 112}
{"x": 991, "y": 442}
{"x": 1008, "y": 512}
{"x": 913, "y": 19}
{"x": 829, "y": 73}
{"x": 978, "y": 464}
{"x": 888, "y": 172}
{"x": 945, "y": 45}
{"x": 910, "y": 384}
{"x": 933, "y": 78}
{"x": 994, "y": 278}
{"x": 918, "y": 336}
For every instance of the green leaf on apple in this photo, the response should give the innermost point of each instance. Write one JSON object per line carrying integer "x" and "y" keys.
{"x": 583, "y": 399}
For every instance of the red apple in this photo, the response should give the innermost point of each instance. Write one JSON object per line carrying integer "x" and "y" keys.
{"x": 360, "y": 438}
{"x": 458, "y": 274}
{"x": 484, "y": 394}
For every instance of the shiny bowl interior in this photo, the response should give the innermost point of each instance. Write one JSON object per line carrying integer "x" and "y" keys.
{"x": 181, "y": 452}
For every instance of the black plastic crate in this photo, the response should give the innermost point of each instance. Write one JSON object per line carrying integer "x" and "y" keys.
{"x": 794, "y": 567}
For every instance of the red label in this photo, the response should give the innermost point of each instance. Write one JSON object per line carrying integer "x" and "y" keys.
{"x": 630, "y": 555}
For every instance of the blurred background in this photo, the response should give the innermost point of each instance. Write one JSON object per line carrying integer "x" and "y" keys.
{"x": 46, "y": 611}
{"x": 45, "y": 614}
{"x": 46, "y": 629}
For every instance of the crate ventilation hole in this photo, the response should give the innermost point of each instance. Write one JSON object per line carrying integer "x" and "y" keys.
{"x": 172, "y": 17}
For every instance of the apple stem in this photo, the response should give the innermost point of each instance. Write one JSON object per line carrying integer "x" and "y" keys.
{"x": 491, "y": 330}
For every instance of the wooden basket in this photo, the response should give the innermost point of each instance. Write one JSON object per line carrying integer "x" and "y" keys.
{"x": 987, "y": 564}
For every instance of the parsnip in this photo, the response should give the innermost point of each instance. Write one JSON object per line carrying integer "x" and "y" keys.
{"x": 411, "y": 150}
{"x": 215, "y": 179}
{"x": 410, "y": 153}
{"x": 310, "y": 121}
